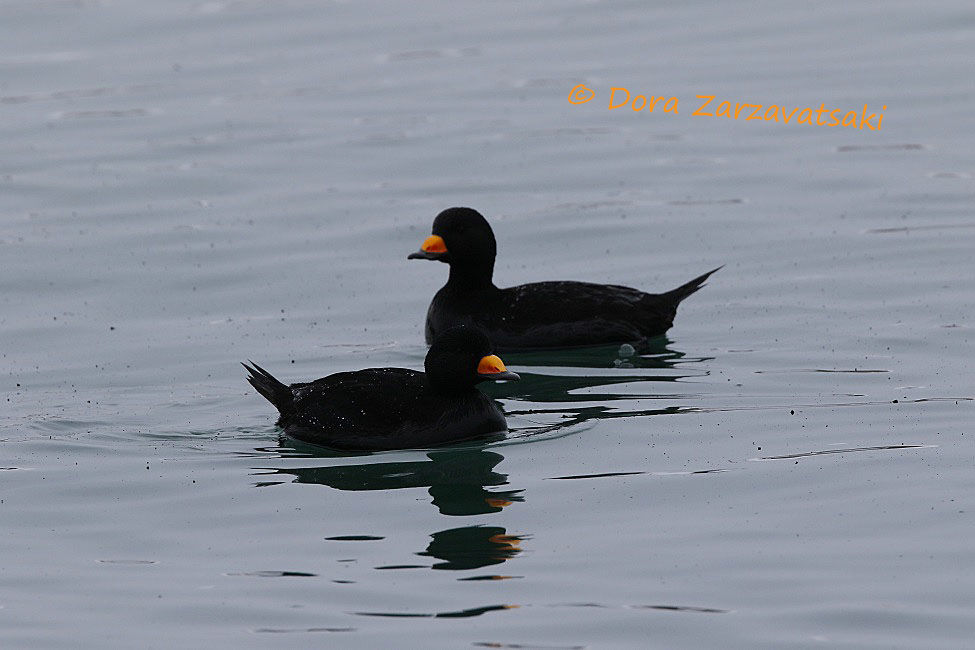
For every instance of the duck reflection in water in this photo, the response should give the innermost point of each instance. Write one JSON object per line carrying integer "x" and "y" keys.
{"x": 576, "y": 396}
{"x": 613, "y": 365}
{"x": 655, "y": 353}
{"x": 472, "y": 547}
{"x": 456, "y": 479}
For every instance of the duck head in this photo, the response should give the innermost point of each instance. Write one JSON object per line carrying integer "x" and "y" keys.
{"x": 462, "y": 357}
{"x": 462, "y": 238}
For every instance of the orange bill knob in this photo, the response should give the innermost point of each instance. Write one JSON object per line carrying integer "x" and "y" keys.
{"x": 433, "y": 248}
{"x": 434, "y": 244}
{"x": 491, "y": 367}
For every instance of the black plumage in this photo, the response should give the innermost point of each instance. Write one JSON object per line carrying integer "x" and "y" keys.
{"x": 395, "y": 408}
{"x": 537, "y": 315}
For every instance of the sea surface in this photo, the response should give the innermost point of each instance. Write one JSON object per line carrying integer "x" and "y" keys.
{"x": 185, "y": 185}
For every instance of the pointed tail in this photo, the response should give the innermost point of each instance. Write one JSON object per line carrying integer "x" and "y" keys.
{"x": 272, "y": 389}
{"x": 684, "y": 290}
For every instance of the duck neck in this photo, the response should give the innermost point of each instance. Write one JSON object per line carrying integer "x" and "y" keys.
{"x": 448, "y": 386}
{"x": 471, "y": 277}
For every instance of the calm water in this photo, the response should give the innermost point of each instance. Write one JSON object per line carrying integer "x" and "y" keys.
{"x": 185, "y": 185}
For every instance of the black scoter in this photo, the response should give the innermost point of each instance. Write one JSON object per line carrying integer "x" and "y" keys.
{"x": 395, "y": 408}
{"x": 540, "y": 314}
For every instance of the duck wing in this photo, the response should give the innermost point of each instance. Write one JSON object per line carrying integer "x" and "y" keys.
{"x": 568, "y": 314}
{"x": 369, "y": 400}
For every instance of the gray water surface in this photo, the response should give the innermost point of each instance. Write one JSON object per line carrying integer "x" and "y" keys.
{"x": 186, "y": 185}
